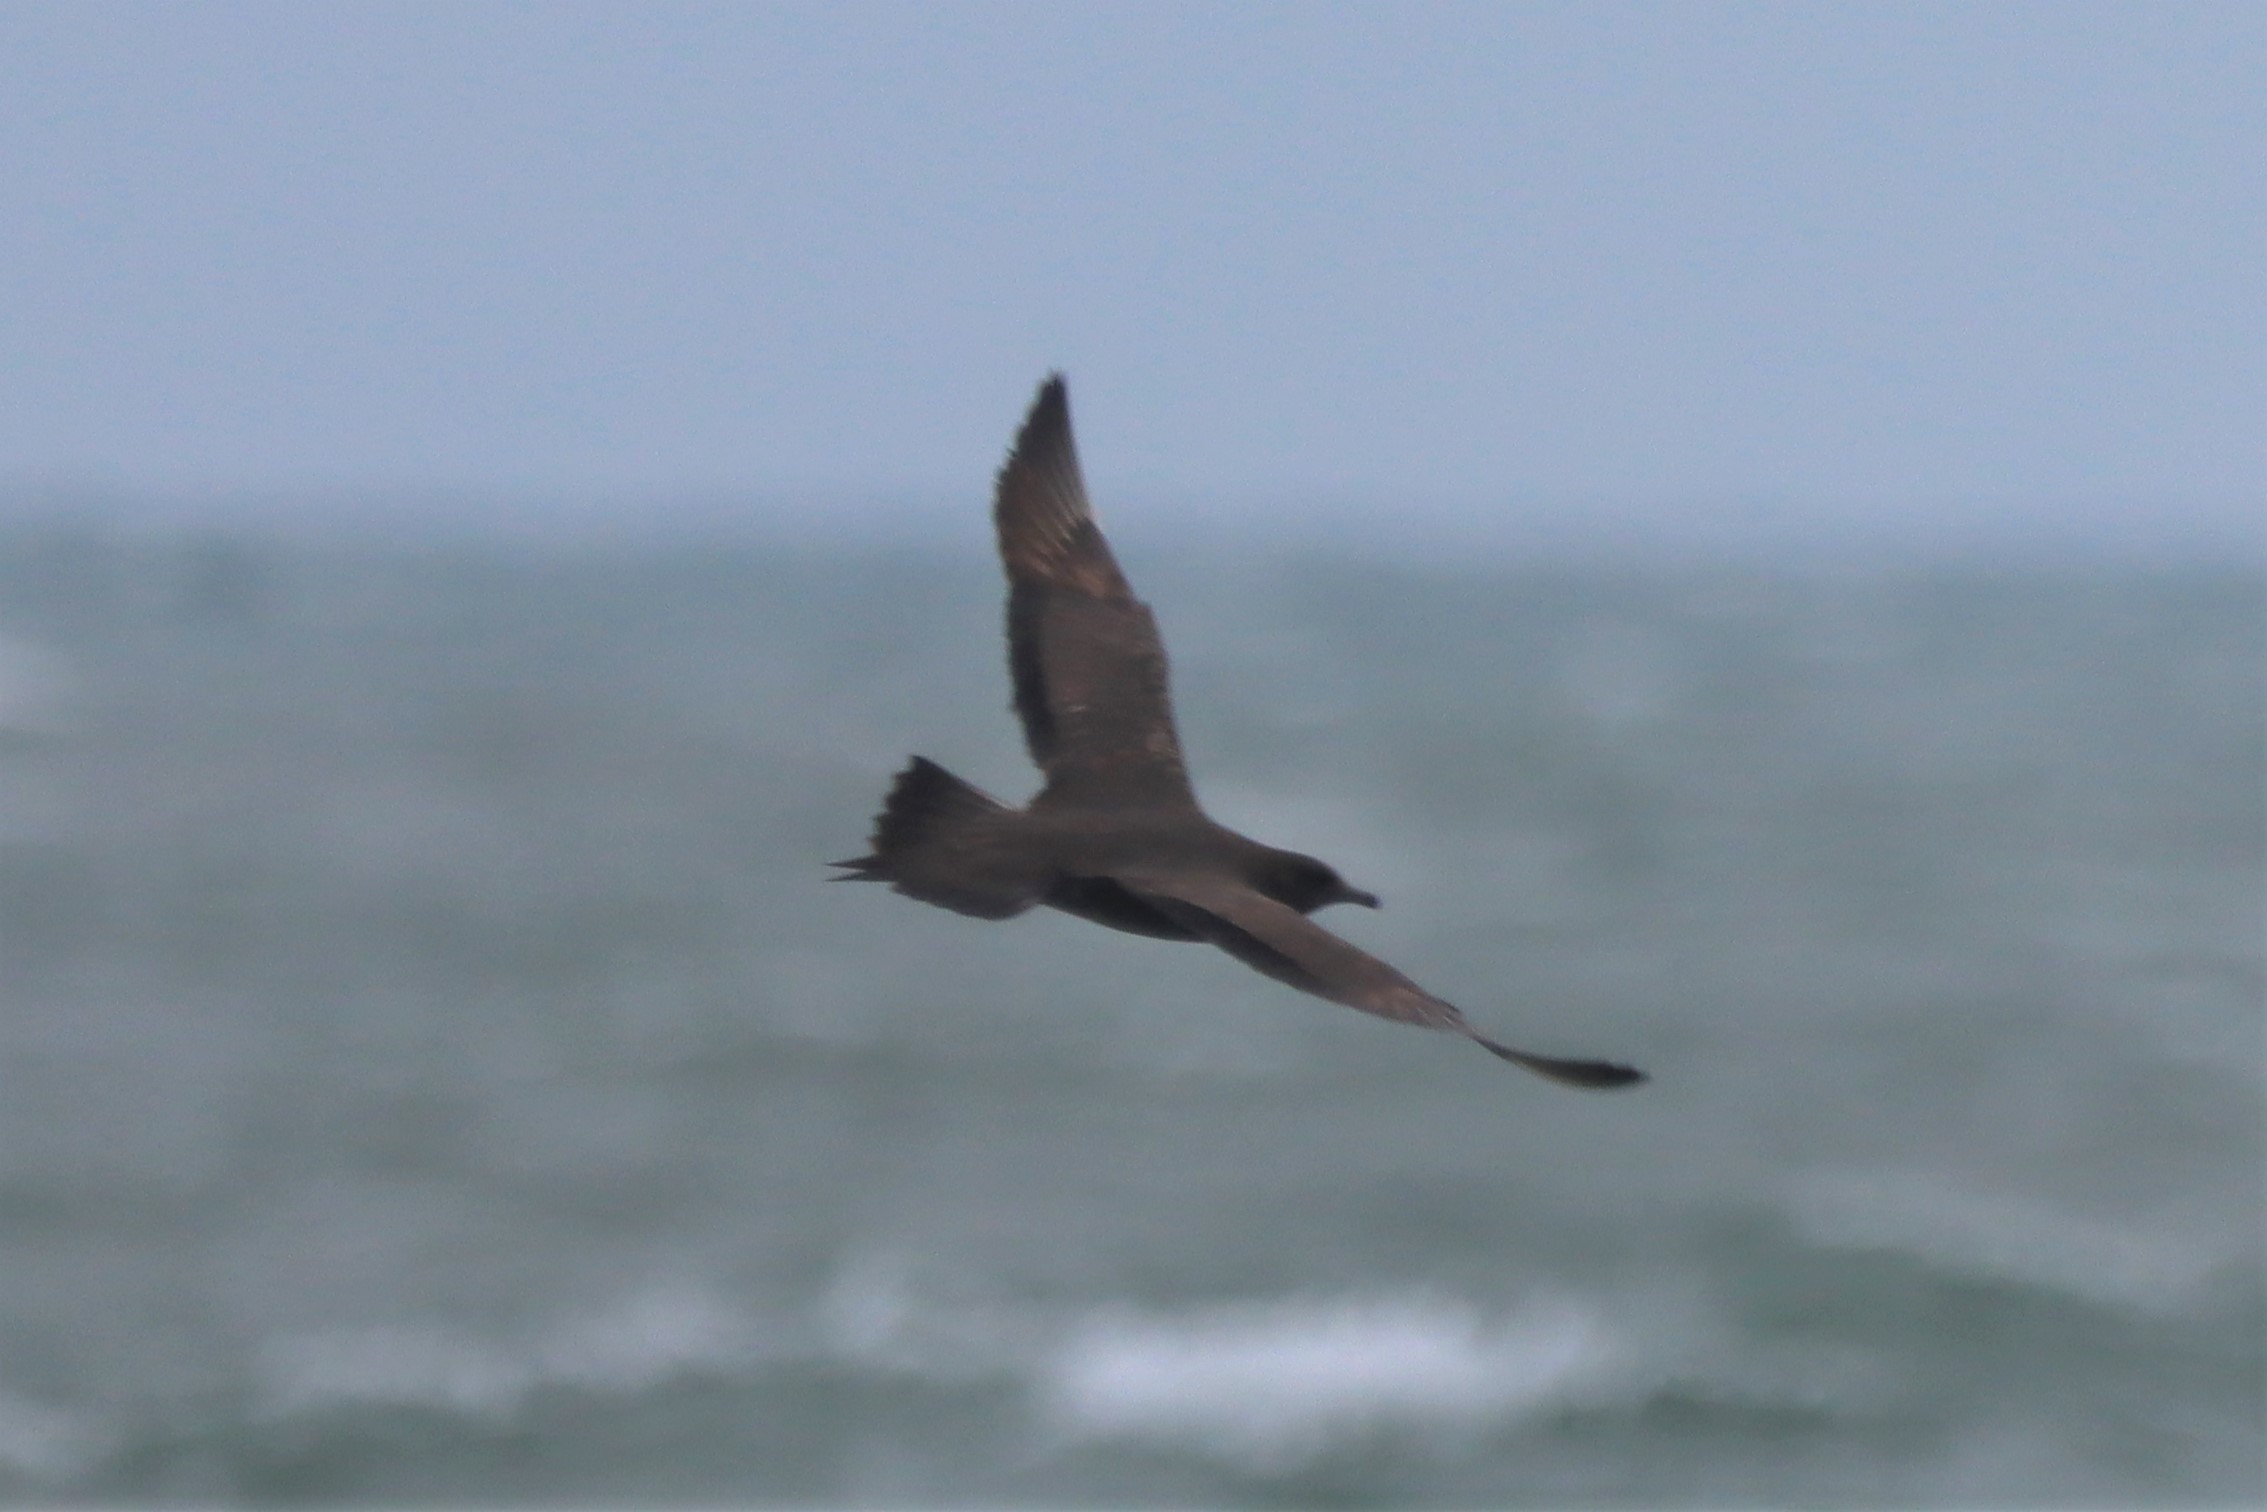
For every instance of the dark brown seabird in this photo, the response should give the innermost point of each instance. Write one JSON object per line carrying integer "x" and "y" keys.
{"x": 1116, "y": 835}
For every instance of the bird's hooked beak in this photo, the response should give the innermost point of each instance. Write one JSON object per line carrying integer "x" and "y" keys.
{"x": 1367, "y": 900}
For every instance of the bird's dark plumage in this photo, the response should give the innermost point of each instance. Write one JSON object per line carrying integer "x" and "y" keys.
{"x": 1115, "y": 834}
{"x": 1089, "y": 668}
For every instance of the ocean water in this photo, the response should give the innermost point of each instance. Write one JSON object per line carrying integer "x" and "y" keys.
{"x": 433, "y": 1069}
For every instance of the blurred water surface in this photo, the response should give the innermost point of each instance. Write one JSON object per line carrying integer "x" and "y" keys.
{"x": 433, "y": 1069}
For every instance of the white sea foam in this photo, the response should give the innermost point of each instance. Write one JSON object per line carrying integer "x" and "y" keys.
{"x": 653, "y": 1336}
{"x": 411, "y": 1365}
{"x": 650, "y": 1337}
{"x": 873, "y": 1317}
{"x": 1265, "y": 1383}
{"x": 2006, "y": 1236}
{"x": 1272, "y": 1384}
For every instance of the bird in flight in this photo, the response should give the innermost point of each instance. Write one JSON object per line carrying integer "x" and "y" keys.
{"x": 1115, "y": 834}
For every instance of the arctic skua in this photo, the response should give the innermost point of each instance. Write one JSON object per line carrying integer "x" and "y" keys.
{"x": 1115, "y": 834}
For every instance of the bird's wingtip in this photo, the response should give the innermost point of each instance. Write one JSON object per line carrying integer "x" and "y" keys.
{"x": 1590, "y": 1075}
{"x": 1050, "y": 408}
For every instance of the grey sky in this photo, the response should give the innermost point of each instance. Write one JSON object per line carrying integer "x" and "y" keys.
{"x": 1837, "y": 264}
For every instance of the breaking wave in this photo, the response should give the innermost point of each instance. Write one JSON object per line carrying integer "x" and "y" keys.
{"x": 1273, "y": 1384}
{"x": 651, "y": 1337}
{"x": 2010, "y": 1238}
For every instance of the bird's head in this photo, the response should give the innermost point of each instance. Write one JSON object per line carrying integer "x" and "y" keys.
{"x": 1306, "y": 884}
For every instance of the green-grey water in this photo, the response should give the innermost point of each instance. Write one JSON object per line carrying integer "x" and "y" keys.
{"x": 433, "y": 1069}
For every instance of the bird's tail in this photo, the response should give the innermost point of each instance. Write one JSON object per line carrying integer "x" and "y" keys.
{"x": 925, "y": 804}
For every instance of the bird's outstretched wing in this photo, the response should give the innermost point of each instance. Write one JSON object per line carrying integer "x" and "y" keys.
{"x": 1089, "y": 669}
{"x": 1284, "y": 944}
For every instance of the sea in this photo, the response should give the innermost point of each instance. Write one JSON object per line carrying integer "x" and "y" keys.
{"x": 435, "y": 1068}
